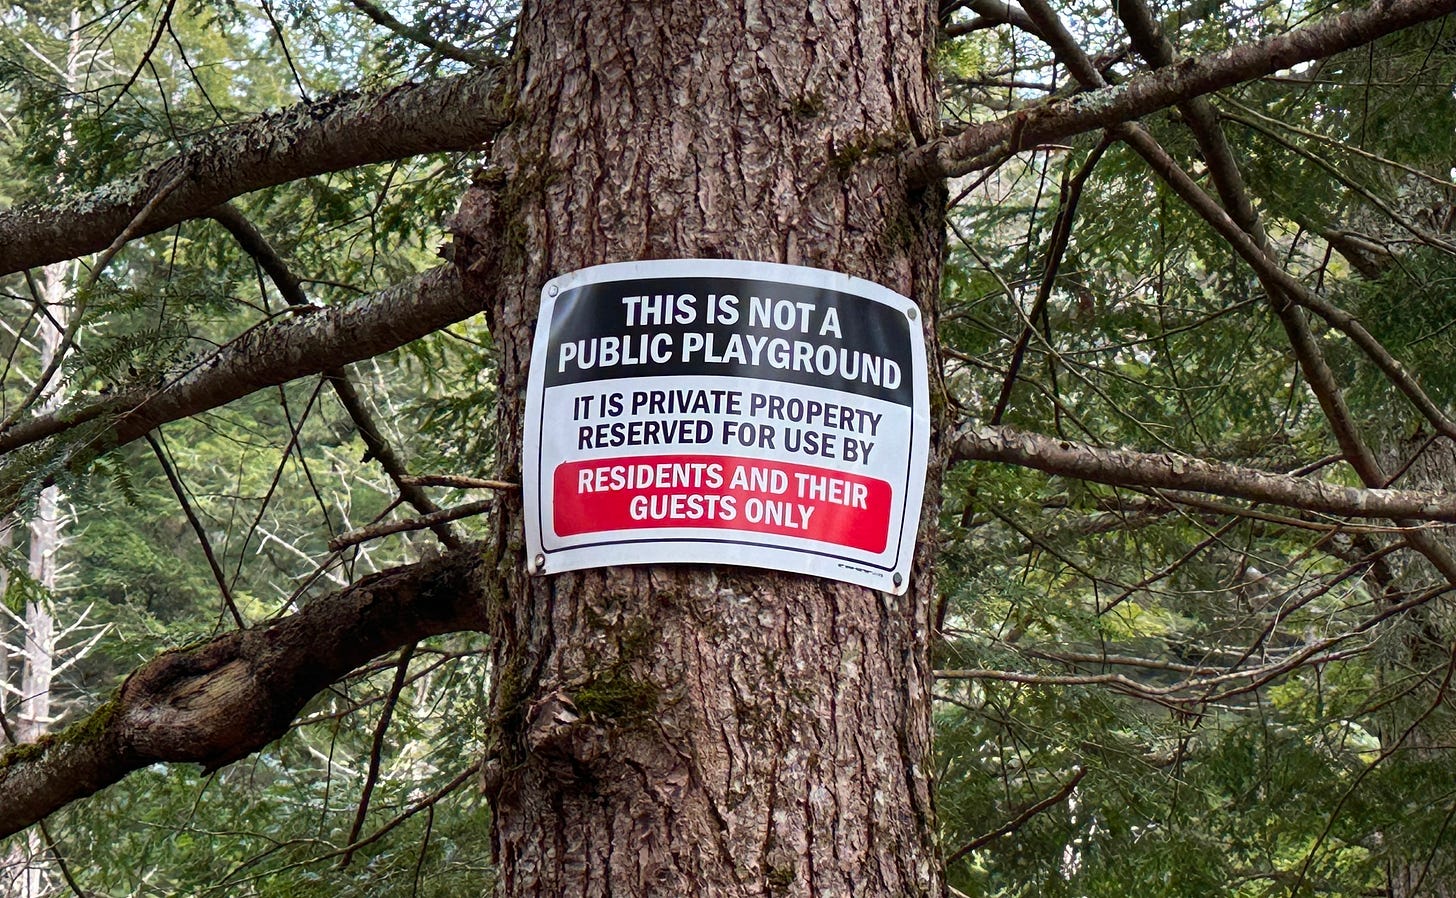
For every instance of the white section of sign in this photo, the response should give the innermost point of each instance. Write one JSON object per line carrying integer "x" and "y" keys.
{"x": 723, "y": 412}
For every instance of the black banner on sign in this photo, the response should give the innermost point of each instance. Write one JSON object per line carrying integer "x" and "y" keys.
{"x": 702, "y": 326}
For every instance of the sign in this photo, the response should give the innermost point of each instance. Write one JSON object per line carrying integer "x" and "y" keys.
{"x": 726, "y": 412}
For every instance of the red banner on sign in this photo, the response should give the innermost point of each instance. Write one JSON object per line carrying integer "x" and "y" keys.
{"x": 723, "y": 492}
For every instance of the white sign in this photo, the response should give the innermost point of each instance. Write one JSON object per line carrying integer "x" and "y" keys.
{"x": 725, "y": 412}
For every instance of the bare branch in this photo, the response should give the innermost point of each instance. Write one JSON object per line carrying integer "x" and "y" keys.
{"x": 461, "y": 482}
{"x": 379, "y": 448}
{"x": 385, "y": 528}
{"x": 1003, "y": 11}
{"x": 419, "y": 35}
{"x": 1020, "y": 820}
{"x": 197, "y": 528}
{"x": 1061, "y": 237}
{"x": 224, "y": 699}
{"x": 1123, "y": 467}
{"x": 376, "y": 750}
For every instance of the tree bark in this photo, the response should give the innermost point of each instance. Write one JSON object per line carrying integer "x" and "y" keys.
{"x": 688, "y": 730}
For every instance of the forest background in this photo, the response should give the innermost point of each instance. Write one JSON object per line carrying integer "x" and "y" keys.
{"x": 1187, "y": 640}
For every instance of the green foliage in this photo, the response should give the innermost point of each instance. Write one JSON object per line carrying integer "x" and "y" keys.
{"x": 1243, "y": 712}
{"x": 269, "y": 480}
{"x": 1418, "y": 332}
{"x": 276, "y": 825}
{"x": 1162, "y": 647}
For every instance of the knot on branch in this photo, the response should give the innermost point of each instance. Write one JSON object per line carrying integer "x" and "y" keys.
{"x": 203, "y": 704}
{"x": 475, "y": 229}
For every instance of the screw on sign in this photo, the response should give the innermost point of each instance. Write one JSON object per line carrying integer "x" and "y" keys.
{"x": 714, "y": 411}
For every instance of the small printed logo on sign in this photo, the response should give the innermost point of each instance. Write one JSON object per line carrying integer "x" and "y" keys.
{"x": 726, "y": 412}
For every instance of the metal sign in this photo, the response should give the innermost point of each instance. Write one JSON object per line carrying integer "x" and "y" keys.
{"x": 726, "y": 412}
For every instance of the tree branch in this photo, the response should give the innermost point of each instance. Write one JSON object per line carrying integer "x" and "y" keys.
{"x": 419, "y": 35}
{"x": 1124, "y": 467}
{"x": 224, "y": 699}
{"x": 273, "y": 353}
{"x": 1246, "y": 235}
{"x": 1060, "y": 239}
{"x": 1059, "y": 118}
{"x": 1004, "y": 11}
{"x": 256, "y": 245}
{"x": 332, "y": 134}
{"x": 376, "y": 751}
{"x": 1021, "y": 819}
{"x": 386, "y": 528}
{"x": 460, "y": 482}
{"x": 180, "y": 492}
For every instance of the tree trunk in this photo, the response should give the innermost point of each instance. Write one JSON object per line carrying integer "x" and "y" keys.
{"x": 39, "y": 649}
{"x": 7, "y": 534}
{"x": 681, "y": 730}
{"x": 27, "y": 872}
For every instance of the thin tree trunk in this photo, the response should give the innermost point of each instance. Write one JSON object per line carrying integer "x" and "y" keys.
{"x": 7, "y": 535}
{"x": 54, "y": 283}
{"x": 28, "y": 873}
{"x": 38, "y": 653}
{"x": 707, "y": 730}
{"x": 28, "y": 876}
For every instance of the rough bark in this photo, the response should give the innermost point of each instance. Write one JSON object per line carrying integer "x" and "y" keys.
{"x": 221, "y": 700}
{"x": 328, "y": 135}
{"x": 705, "y": 731}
